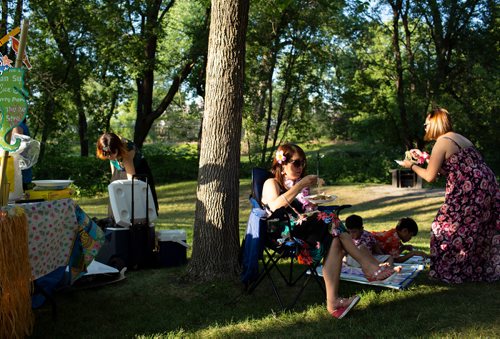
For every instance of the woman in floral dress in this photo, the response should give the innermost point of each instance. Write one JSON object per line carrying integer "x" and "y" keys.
{"x": 465, "y": 234}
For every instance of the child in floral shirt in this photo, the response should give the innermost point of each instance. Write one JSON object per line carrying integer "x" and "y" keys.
{"x": 391, "y": 241}
{"x": 363, "y": 240}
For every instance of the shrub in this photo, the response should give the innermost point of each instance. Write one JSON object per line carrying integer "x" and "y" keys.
{"x": 90, "y": 175}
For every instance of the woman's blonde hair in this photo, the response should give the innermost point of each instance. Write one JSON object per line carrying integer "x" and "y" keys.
{"x": 439, "y": 121}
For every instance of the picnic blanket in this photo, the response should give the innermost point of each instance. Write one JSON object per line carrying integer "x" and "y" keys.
{"x": 410, "y": 270}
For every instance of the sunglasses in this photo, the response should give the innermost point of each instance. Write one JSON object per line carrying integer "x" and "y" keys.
{"x": 297, "y": 163}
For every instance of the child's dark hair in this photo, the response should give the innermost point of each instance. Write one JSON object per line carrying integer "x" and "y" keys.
{"x": 354, "y": 222}
{"x": 409, "y": 224}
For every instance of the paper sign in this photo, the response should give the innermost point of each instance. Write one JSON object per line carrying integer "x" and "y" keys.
{"x": 13, "y": 105}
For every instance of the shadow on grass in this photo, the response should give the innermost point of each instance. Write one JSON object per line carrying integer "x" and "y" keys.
{"x": 158, "y": 303}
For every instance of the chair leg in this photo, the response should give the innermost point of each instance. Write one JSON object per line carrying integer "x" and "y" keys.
{"x": 272, "y": 262}
{"x": 267, "y": 268}
{"x": 273, "y": 284}
{"x": 313, "y": 274}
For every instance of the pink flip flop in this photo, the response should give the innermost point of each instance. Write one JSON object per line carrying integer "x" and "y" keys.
{"x": 340, "y": 312}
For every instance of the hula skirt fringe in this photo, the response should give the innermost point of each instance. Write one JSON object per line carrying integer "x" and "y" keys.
{"x": 16, "y": 315}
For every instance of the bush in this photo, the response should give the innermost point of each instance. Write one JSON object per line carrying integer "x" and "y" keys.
{"x": 339, "y": 164}
{"x": 172, "y": 163}
{"x": 354, "y": 163}
{"x": 90, "y": 175}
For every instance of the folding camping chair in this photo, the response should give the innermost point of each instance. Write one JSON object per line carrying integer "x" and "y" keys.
{"x": 259, "y": 240}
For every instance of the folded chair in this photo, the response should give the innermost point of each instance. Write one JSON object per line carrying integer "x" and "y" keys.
{"x": 261, "y": 244}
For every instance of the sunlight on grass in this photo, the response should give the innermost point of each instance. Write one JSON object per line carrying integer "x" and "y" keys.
{"x": 162, "y": 303}
{"x": 380, "y": 206}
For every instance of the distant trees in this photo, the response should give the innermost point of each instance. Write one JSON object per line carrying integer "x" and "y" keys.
{"x": 363, "y": 70}
{"x": 90, "y": 57}
{"x": 416, "y": 55}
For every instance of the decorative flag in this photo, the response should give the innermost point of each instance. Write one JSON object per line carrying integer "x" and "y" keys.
{"x": 14, "y": 32}
{"x": 15, "y": 47}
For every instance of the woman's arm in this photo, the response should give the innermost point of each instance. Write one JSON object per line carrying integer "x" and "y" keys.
{"x": 128, "y": 163}
{"x": 433, "y": 167}
{"x": 271, "y": 192}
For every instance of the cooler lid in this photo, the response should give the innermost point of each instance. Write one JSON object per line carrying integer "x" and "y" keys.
{"x": 171, "y": 235}
{"x": 120, "y": 198}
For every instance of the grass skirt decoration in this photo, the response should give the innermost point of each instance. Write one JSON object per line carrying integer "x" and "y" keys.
{"x": 16, "y": 316}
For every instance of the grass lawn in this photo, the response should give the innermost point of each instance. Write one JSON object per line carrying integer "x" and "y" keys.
{"x": 161, "y": 303}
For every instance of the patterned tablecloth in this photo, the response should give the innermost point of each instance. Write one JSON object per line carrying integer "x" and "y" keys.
{"x": 60, "y": 234}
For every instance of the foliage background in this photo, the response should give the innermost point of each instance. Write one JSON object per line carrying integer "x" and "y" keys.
{"x": 362, "y": 71}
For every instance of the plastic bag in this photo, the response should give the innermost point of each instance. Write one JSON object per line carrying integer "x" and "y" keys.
{"x": 27, "y": 152}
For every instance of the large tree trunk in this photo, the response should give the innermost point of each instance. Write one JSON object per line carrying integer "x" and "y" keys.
{"x": 216, "y": 228}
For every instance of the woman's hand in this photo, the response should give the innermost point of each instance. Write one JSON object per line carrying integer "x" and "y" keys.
{"x": 311, "y": 180}
{"x": 416, "y": 153}
{"x": 407, "y": 163}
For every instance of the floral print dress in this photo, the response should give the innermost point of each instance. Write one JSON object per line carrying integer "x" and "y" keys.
{"x": 465, "y": 237}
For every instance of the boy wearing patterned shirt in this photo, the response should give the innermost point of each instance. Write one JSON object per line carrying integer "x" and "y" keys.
{"x": 391, "y": 241}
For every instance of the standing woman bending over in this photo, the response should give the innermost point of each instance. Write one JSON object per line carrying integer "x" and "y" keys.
{"x": 284, "y": 195}
{"x": 465, "y": 234}
{"x": 124, "y": 158}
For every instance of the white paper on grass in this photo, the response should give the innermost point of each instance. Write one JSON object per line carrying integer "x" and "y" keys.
{"x": 97, "y": 267}
{"x": 120, "y": 197}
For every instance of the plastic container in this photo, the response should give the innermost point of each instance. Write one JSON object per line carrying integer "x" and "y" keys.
{"x": 50, "y": 194}
{"x": 120, "y": 197}
{"x": 173, "y": 247}
{"x": 130, "y": 247}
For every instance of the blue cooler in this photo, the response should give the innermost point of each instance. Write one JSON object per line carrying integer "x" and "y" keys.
{"x": 172, "y": 247}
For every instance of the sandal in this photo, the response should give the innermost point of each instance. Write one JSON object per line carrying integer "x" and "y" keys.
{"x": 382, "y": 273}
{"x": 341, "y": 311}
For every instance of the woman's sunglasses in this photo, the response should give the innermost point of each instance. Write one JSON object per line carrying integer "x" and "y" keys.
{"x": 297, "y": 163}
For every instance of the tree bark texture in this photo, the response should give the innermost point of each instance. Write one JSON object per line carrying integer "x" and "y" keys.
{"x": 216, "y": 228}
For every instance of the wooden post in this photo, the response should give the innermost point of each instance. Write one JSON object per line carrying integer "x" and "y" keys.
{"x": 4, "y": 192}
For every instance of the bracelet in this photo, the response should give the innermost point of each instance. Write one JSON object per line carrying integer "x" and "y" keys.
{"x": 411, "y": 166}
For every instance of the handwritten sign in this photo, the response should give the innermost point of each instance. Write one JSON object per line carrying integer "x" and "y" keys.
{"x": 13, "y": 105}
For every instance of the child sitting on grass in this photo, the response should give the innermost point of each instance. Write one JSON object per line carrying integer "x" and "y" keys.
{"x": 363, "y": 240}
{"x": 391, "y": 241}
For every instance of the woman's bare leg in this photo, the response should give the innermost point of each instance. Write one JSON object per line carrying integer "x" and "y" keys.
{"x": 331, "y": 274}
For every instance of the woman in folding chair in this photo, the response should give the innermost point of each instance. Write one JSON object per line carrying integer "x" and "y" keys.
{"x": 323, "y": 233}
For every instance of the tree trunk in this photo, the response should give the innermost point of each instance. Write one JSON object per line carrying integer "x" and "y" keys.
{"x": 400, "y": 86}
{"x": 216, "y": 227}
{"x": 146, "y": 113}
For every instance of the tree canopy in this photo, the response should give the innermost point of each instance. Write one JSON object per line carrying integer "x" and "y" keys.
{"x": 362, "y": 70}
